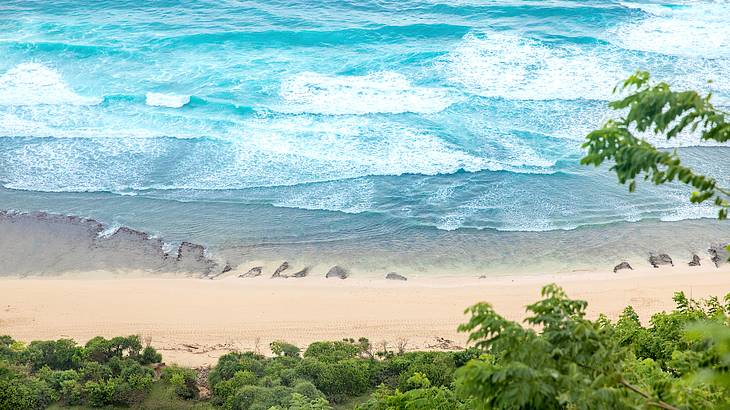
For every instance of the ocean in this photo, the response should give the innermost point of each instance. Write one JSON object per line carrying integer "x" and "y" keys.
{"x": 421, "y": 131}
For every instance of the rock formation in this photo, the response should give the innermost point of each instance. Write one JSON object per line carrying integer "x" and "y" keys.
{"x": 622, "y": 265}
{"x": 338, "y": 272}
{"x": 661, "y": 259}
{"x": 277, "y": 273}
{"x": 252, "y": 273}
{"x": 395, "y": 276}
{"x": 695, "y": 260}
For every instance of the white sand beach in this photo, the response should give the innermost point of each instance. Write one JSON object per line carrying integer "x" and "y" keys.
{"x": 193, "y": 322}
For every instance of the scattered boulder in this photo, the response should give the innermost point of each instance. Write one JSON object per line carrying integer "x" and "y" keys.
{"x": 226, "y": 269}
{"x": 715, "y": 251}
{"x": 395, "y": 276}
{"x": 661, "y": 259}
{"x": 302, "y": 273}
{"x": 622, "y": 265}
{"x": 338, "y": 272}
{"x": 695, "y": 260}
{"x": 189, "y": 250}
{"x": 277, "y": 273}
{"x": 252, "y": 273}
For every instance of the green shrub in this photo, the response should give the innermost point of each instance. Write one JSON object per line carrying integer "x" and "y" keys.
{"x": 337, "y": 380}
{"x": 150, "y": 355}
{"x": 332, "y": 351}
{"x": 62, "y": 354}
{"x": 256, "y": 398}
{"x": 281, "y": 348}
{"x": 18, "y": 391}
{"x": 99, "y": 394}
{"x": 182, "y": 380}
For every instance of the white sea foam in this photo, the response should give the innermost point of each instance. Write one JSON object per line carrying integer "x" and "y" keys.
{"x": 350, "y": 196}
{"x": 166, "y": 100}
{"x": 690, "y": 29}
{"x": 380, "y": 92}
{"x": 263, "y": 152}
{"x": 35, "y": 84}
{"x": 509, "y": 66}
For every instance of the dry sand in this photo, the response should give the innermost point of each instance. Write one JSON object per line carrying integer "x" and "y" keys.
{"x": 192, "y": 322}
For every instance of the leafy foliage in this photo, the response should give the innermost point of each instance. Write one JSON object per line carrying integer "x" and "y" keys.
{"x": 573, "y": 362}
{"x": 104, "y": 372}
{"x": 656, "y": 108}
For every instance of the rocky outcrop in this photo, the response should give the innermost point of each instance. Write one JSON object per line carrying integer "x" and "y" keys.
{"x": 717, "y": 252}
{"x": 661, "y": 259}
{"x": 301, "y": 274}
{"x": 278, "y": 272}
{"x": 192, "y": 251}
{"x": 253, "y": 272}
{"x": 226, "y": 269}
{"x": 622, "y": 265}
{"x": 695, "y": 260}
{"x": 337, "y": 272}
{"x": 191, "y": 258}
{"x": 395, "y": 276}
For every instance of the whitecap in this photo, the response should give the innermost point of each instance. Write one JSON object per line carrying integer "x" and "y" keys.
{"x": 514, "y": 67}
{"x": 35, "y": 84}
{"x": 380, "y": 92}
{"x": 350, "y": 196}
{"x": 690, "y": 29}
{"x": 166, "y": 100}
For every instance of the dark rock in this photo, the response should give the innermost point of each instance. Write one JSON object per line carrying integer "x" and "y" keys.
{"x": 302, "y": 273}
{"x": 252, "y": 273}
{"x": 661, "y": 259}
{"x": 189, "y": 250}
{"x": 277, "y": 273}
{"x": 395, "y": 276}
{"x": 483, "y": 277}
{"x": 226, "y": 269}
{"x": 338, "y": 272}
{"x": 622, "y": 265}
{"x": 695, "y": 261}
{"x": 715, "y": 251}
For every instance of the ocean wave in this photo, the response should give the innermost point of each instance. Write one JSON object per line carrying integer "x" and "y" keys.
{"x": 689, "y": 29}
{"x": 166, "y": 100}
{"x": 380, "y": 92}
{"x": 263, "y": 152}
{"x": 515, "y": 67}
{"x": 36, "y": 84}
{"x": 318, "y": 37}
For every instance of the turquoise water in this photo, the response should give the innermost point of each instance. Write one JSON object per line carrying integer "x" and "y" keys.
{"x": 290, "y": 121}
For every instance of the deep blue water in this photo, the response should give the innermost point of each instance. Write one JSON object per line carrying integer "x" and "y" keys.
{"x": 433, "y": 114}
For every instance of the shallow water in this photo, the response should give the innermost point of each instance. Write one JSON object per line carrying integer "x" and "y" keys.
{"x": 258, "y": 123}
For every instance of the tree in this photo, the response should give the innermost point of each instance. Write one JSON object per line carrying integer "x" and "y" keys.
{"x": 654, "y": 107}
{"x": 572, "y": 363}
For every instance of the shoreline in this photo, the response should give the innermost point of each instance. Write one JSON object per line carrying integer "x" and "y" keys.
{"x": 193, "y": 322}
{"x": 63, "y": 244}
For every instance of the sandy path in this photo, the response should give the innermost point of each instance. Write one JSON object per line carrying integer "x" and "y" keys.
{"x": 194, "y": 321}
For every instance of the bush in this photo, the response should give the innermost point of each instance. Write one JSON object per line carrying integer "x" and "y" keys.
{"x": 281, "y": 348}
{"x": 62, "y": 354}
{"x": 18, "y": 391}
{"x": 182, "y": 380}
{"x": 339, "y": 380}
{"x": 150, "y": 355}
{"x": 253, "y": 398}
{"x": 332, "y": 351}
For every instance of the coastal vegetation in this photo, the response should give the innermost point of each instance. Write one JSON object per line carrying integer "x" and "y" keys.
{"x": 655, "y": 108}
{"x": 558, "y": 359}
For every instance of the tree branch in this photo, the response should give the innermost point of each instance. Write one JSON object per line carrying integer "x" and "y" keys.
{"x": 658, "y": 403}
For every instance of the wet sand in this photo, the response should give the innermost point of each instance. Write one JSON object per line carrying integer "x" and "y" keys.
{"x": 192, "y": 321}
